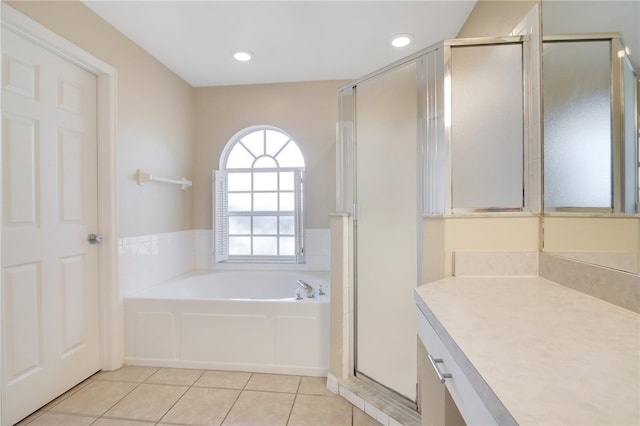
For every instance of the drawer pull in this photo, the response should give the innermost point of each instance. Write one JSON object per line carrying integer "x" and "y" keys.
{"x": 441, "y": 376}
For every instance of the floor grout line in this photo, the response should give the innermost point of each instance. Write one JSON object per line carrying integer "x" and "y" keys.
{"x": 187, "y": 389}
{"x": 237, "y": 398}
{"x": 291, "y": 409}
{"x": 175, "y": 403}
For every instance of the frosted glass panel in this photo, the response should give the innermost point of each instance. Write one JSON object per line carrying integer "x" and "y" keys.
{"x": 239, "y": 202}
{"x": 239, "y": 181}
{"x": 265, "y": 246}
{"x": 267, "y": 181}
{"x": 286, "y": 181}
{"x": 240, "y": 225}
{"x": 255, "y": 142}
{"x": 432, "y": 122}
{"x": 386, "y": 228}
{"x": 239, "y": 158}
{"x": 275, "y": 141}
{"x": 265, "y": 163}
{"x": 265, "y": 201}
{"x": 286, "y": 201}
{"x": 577, "y": 124}
{"x": 239, "y": 246}
{"x": 344, "y": 152}
{"x": 290, "y": 156}
{"x": 287, "y": 246}
{"x": 265, "y": 225}
{"x": 287, "y": 225}
{"x": 487, "y": 133}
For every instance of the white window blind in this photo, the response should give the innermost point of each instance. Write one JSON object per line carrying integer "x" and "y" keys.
{"x": 221, "y": 215}
{"x": 299, "y": 215}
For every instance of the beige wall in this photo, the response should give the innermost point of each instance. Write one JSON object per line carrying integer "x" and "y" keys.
{"x": 444, "y": 236}
{"x": 155, "y": 118}
{"x": 598, "y": 235}
{"x": 307, "y": 111}
{"x": 491, "y": 18}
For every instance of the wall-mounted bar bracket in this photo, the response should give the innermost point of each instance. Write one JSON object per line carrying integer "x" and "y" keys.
{"x": 144, "y": 177}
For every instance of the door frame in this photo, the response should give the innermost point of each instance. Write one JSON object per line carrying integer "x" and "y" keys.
{"x": 110, "y": 302}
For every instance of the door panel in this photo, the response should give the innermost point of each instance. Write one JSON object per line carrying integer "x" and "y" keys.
{"x": 22, "y": 319}
{"x": 387, "y": 229}
{"x": 49, "y": 197}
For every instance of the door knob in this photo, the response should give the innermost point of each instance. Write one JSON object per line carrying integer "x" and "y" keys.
{"x": 94, "y": 239}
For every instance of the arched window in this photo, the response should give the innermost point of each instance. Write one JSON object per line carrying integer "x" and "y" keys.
{"x": 259, "y": 197}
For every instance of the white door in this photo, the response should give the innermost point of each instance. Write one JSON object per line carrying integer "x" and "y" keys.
{"x": 387, "y": 229}
{"x": 49, "y": 197}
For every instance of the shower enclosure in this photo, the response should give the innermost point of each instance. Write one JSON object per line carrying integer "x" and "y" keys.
{"x": 437, "y": 134}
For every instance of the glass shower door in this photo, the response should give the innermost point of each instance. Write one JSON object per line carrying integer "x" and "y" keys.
{"x": 387, "y": 229}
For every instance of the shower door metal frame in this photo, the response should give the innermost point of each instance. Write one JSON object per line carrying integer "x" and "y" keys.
{"x": 347, "y": 173}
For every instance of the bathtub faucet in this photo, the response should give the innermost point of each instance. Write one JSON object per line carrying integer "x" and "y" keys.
{"x": 308, "y": 290}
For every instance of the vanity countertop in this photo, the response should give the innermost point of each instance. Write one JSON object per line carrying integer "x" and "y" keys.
{"x": 538, "y": 352}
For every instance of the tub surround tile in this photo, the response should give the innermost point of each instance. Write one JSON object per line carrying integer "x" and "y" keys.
{"x": 314, "y": 386}
{"x": 202, "y": 406}
{"x": 315, "y": 410}
{"x": 55, "y": 419}
{"x": 147, "y": 402}
{"x": 260, "y": 409}
{"x": 175, "y": 376}
{"x": 273, "y": 383}
{"x": 148, "y": 259}
{"x": 203, "y": 248}
{"x": 95, "y": 398}
{"x": 318, "y": 263}
{"x": 223, "y": 379}
{"x": 317, "y": 241}
{"x": 128, "y": 373}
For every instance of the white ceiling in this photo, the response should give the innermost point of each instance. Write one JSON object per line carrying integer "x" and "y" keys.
{"x": 291, "y": 40}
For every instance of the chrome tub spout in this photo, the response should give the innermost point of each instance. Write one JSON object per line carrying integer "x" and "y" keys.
{"x": 308, "y": 290}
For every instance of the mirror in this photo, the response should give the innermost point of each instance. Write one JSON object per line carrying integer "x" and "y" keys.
{"x": 590, "y": 67}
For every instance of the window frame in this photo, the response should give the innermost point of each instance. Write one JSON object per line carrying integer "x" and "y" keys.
{"x": 222, "y": 212}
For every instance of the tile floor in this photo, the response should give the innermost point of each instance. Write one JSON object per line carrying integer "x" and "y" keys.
{"x": 138, "y": 396}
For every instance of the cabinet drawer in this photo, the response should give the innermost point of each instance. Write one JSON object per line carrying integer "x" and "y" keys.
{"x": 471, "y": 407}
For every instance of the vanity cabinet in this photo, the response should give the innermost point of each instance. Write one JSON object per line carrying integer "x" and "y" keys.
{"x": 469, "y": 403}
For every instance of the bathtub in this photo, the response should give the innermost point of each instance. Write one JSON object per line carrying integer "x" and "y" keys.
{"x": 230, "y": 320}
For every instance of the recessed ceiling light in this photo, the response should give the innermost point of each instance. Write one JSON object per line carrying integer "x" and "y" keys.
{"x": 401, "y": 40}
{"x": 243, "y": 56}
